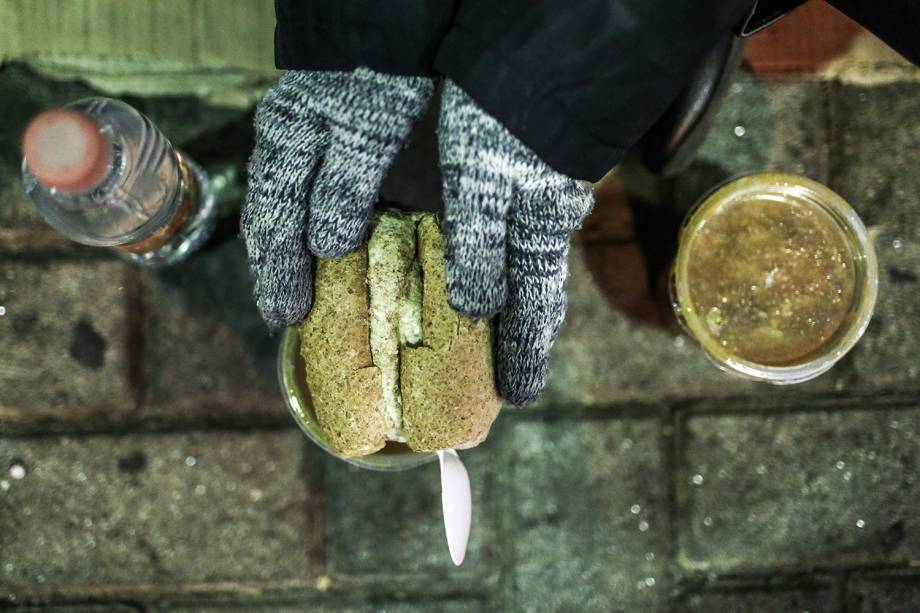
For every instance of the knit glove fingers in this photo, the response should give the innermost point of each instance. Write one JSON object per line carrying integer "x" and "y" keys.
{"x": 545, "y": 215}
{"x": 508, "y": 222}
{"x": 480, "y": 163}
{"x": 369, "y": 118}
{"x": 324, "y": 141}
{"x": 288, "y": 145}
{"x": 477, "y": 193}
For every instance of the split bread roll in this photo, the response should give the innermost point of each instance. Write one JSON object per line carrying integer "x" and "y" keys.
{"x": 386, "y": 357}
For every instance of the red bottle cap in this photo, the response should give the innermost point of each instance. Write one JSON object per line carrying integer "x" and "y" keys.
{"x": 64, "y": 149}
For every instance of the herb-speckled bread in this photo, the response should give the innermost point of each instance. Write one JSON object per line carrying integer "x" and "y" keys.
{"x": 386, "y": 357}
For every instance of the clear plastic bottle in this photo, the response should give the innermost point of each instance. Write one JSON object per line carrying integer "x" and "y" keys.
{"x": 102, "y": 174}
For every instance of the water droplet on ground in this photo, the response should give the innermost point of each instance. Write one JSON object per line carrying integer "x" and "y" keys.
{"x": 323, "y": 583}
{"x": 17, "y": 470}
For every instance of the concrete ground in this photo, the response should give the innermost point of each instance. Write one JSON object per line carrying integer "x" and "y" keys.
{"x": 147, "y": 462}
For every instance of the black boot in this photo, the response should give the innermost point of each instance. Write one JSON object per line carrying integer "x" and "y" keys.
{"x": 669, "y": 146}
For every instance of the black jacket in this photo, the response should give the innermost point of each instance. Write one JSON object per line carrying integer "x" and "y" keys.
{"x": 578, "y": 81}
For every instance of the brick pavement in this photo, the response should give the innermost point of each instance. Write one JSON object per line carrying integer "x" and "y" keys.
{"x": 147, "y": 462}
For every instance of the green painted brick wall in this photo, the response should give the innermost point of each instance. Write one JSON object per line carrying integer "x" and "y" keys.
{"x": 218, "y": 49}
{"x": 212, "y": 33}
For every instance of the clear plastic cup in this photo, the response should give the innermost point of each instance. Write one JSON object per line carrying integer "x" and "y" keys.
{"x": 775, "y": 277}
{"x": 393, "y": 457}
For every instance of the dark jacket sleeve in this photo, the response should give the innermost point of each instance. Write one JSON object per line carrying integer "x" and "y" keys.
{"x": 395, "y": 36}
{"x": 580, "y": 81}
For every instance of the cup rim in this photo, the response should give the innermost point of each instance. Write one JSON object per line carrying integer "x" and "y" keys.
{"x": 302, "y": 411}
{"x": 804, "y": 189}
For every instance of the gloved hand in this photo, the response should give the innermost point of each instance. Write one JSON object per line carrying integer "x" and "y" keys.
{"x": 508, "y": 221}
{"x": 324, "y": 141}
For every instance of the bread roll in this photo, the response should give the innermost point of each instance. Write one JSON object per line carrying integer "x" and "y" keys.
{"x": 386, "y": 357}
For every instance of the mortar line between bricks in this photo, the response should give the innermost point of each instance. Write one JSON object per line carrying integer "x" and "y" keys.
{"x": 47, "y": 603}
{"x": 630, "y": 410}
{"x": 832, "y": 130}
{"x": 797, "y": 576}
{"x": 381, "y": 587}
{"x": 366, "y": 588}
{"x": 677, "y": 503}
{"x": 777, "y": 398}
{"x": 45, "y": 256}
{"x": 280, "y": 420}
{"x": 841, "y": 579}
{"x": 313, "y": 482}
{"x": 781, "y": 578}
{"x": 135, "y": 320}
{"x": 798, "y": 411}
{"x": 671, "y": 461}
{"x": 153, "y": 426}
{"x": 507, "y": 564}
{"x": 790, "y": 573}
{"x": 897, "y": 398}
{"x": 143, "y": 591}
{"x": 783, "y": 402}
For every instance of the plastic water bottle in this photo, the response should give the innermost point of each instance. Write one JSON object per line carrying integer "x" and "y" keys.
{"x": 102, "y": 174}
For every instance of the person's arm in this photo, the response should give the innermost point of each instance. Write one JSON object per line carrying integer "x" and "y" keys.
{"x": 580, "y": 82}
{"x": 358, "y": 77}
{"x": 897, "y": 22}
{"x": 393, "y": 37}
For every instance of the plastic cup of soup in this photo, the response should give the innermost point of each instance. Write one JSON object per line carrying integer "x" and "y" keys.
{"x": 292, "y": 378}
{"x": 775, "y": 277}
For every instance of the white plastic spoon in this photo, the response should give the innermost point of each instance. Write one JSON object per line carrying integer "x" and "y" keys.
{"x": 456, "y": 503}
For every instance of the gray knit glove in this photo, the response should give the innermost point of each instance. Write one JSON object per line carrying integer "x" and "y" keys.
{"x": 324, "y": 142}
{"x": 508, "y": 221}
